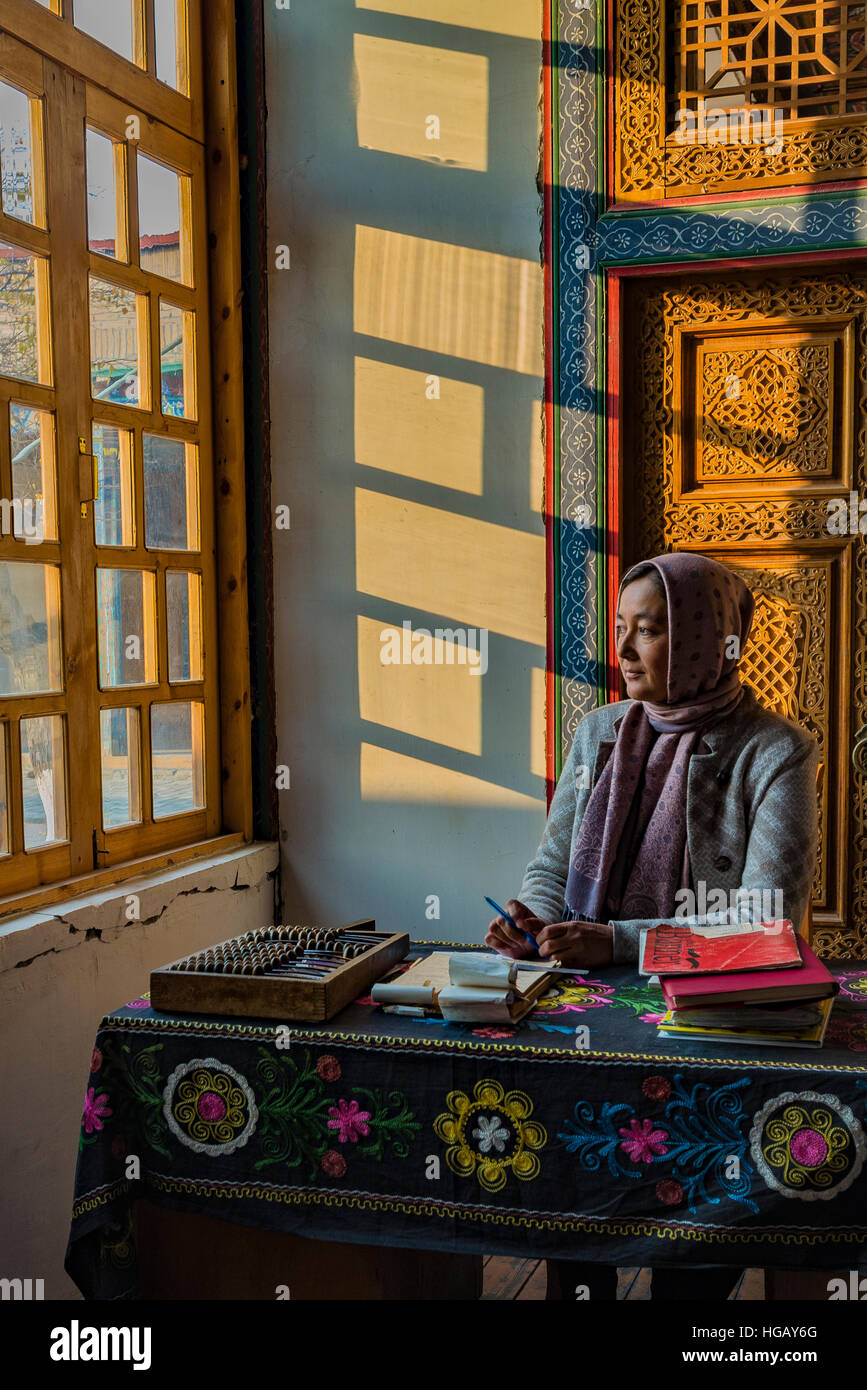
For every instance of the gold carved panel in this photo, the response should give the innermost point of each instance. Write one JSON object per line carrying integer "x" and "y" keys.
{"x": 746, "y": 477}
{"x": 762, "y": 407}
{"x": 766, "y": 411}
{"x": 723, "y": 95}
{"x": 788, "y": 663}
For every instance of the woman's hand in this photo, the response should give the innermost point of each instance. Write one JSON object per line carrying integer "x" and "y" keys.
{"x": 503, "y": 938}
{"x": 584, "y": 945}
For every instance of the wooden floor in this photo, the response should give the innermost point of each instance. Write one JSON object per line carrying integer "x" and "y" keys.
{"x": 509, "y": 1279}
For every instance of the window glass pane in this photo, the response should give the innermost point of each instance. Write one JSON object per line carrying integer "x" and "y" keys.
{"x": 30, "y": 653}
{"x": 121, "y": 778}
{"x": 4, "y": 791}
{"x": 110, "y": 21}
{"x": 113, "y": 520}
{"x": 16, "y": 155}
{"x": 22, "y": 353}
{"x": 101, "y": 195}
{"x": 159, "y": 219}
{"x": 171, "y": 494}
{"x": 184, "y": 623}
{"x": 43, "y": 780}
{"x": 31, "y": 437}
{"x": 177, "y": 361}
{"x": 171, "y": 22}
{"x": 177, "y": 757}
{"x": 115, "y": 368}
{"x": 126, "y": 620}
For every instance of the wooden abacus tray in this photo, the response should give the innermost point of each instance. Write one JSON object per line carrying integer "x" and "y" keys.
{"x": 302, "y": 973}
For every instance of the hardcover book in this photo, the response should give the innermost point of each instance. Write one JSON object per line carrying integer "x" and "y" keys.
{"x": 675, "y": 950}
{"x": 810, "y": 979}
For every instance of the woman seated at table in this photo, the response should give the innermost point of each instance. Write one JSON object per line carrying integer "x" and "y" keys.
{"x": 687, "y": 781}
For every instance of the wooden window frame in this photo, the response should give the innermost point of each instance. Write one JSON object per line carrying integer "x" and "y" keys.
{"x": 209, "y": 118}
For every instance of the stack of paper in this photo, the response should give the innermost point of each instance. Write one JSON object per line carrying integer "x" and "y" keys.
{"x": 466, "y": 987}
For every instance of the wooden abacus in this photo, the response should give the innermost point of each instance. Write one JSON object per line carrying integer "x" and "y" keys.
{"x": 286, "y": 972}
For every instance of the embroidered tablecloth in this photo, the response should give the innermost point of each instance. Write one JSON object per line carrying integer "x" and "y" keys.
{"x": 579, "y": 1133}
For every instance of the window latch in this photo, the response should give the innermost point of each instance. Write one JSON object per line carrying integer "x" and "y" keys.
{"x": 96, "y": 850}
{"x": 88, "y": 475}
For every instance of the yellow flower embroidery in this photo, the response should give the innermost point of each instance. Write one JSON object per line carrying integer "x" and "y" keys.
{"x": 491, "y": 1134}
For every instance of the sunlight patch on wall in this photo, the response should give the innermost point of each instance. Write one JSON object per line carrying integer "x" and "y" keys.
{"x": 450, "y": 299}
{"x": 441, "y": 701}
{"x": 520, "y": 19}
{"x": 421, "y": 102}
{"x": 471, "y": 571}
{"x": 388, "y": 776}
{"x": 419, "y": 425}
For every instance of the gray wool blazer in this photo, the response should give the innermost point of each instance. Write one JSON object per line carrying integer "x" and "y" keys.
{"x": 751, "y": 820}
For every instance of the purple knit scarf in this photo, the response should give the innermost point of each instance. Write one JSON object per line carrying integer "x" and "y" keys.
{"x": 706, "y": 605}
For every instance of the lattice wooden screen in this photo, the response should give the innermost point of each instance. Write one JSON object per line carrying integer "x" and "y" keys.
{"x": 805, "y": 60}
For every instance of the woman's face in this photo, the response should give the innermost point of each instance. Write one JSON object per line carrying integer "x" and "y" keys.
{"x": 641, "y": 633}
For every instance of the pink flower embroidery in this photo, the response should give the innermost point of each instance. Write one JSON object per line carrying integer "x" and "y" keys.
{"x": 642, "y": 1141}
{"x": 96, "y": 1109}
{"x": 493, "y": 1032}
{"x": 349, "y": 1121}
{"x": 96, "y": 1060}
{"x": 333, "y": 1163}
{"x": 656, "y": 1087}
{"x": 669, "y": 1192}
{"x": 139, "y": 1004}
{"x": 651, "y": 1018}
{"x": 329, "y": 1068}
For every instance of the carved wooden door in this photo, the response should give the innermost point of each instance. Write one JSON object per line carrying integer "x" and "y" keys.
{"x": 745, "y": 418}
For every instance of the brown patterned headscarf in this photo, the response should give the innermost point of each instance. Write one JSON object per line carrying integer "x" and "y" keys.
{"x": 635, "y": 819}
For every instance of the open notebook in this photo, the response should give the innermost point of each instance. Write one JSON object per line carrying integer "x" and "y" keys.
{"x": 465, "y": 988}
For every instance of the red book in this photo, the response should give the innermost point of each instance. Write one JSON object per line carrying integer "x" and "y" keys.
{"x": 668, "y": 950}
{"x": 809, "y": 980}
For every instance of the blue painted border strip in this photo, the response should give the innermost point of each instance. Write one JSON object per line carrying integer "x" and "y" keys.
{"x": 822, "y": 222}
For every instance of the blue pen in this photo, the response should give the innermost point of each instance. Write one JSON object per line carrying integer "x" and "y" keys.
{"x": 501, "y": 912}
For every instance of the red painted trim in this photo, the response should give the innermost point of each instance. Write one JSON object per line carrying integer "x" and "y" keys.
{"x": 757, "y": 262}
{"x": 549, "y": 243}
{"x": 612, "y": 311}
{"x": 740, "y": 195}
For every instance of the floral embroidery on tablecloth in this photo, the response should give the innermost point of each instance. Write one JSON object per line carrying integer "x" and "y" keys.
{"x": 702, "y": 1129}
{"x": 209, "y": 1107}
{"x": 853, "y": 984}
{"x": 579, "y": 994}
{"x": 136, "y": 1083}
{"x": 807, "y": 1145}
{"x": 491, "y": 1135}
{"x": 96, "y": 1111}
{"x": 642, "y": 1141}
{"x": 847, "y": 1030}
{"x": 573, "y": 995}
{"x": 300, "y": 1121}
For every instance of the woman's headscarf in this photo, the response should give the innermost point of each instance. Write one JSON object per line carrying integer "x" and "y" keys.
{"x": 631, "y": 855}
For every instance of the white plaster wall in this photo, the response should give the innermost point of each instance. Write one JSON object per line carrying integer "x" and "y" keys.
{"x": 433, "y": 804}
{"x": 61, "y": 970}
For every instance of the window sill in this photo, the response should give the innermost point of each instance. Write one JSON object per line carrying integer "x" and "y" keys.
{"x": 83, "y": 911}
{"x": 35, "y": 898}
